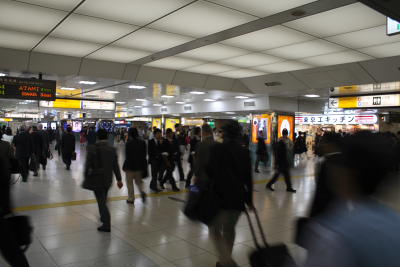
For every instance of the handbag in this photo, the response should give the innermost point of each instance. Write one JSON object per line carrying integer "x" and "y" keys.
{"x": 32, "y": 163}
{"x": 73, "y": 156}
{"x": 15, "y": 166}
{"x": 22, "y": 230}
{"x": 93, "y": 173}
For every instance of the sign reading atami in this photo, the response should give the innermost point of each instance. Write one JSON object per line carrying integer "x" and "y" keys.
{"x": 28, "y": 89}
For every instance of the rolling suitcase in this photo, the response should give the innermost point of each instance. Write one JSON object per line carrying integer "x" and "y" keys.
{"x": 276, "y": 255}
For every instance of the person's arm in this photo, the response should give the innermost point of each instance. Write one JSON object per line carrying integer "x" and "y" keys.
{"x": 116, "y": 170}
{"x": 73, "y": 141}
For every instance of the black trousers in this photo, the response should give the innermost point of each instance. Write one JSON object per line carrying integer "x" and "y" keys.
{"x": 67, "y": 159}
{"x": 24, "y": 163}
{"x": 286, "y": 175}
{"x": 157, "y": 172}
{"x": 190, "y": 175}
{"x": 9, "y": 247}
{"x": 169, "y": 175}
{"x": 178, "y": 163}
{"x": 258, "y": 159}
{"x": 101, "y": 197}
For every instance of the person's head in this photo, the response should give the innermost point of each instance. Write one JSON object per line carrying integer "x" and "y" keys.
{"x": 231, "y": 130}
{"x": 133, "y": 133}
{"x": 157, "y": 134}
{"x": 102, "y": 134}
{"x": 8, "y": 131}
{"x": 69, "y": 129}
{"x": 206, "y": 131}
{"x": 331, "y": 142}
{"x": 169, "y": 133}
{"x": 285, "y": 133}
{"x": 22, "y": 128}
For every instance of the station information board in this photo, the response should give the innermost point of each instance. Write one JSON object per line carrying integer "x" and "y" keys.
{"x": 28, "y": 89}
{"x": 369, "y": 101}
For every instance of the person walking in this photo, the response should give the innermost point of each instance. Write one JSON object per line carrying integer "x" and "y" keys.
{"x": 193, "y": 144}
{"x": 262, "y": 153}
{"x": 91, "y": 137}
{"x": 155, "y": 158}
{"x": 23, "y": 151}
{"x": 282, "y": 162}
{"x": 101, "y": 163}
{"x": 170, "y": 152}
{"x": 180, "y": 142}
{"x": 58, "y": 136}
{"x": 203, "y": 153}
{"x": 7, "y": 136}
{"x": 135, "y": 165}
{"x": 37, "y": 143}
{"x": 68, "y": 147}
{"x": 45, "y": 146}
{"x": 230, "y": 169}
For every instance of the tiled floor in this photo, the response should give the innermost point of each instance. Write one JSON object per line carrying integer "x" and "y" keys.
{"x": 154, "y": 234}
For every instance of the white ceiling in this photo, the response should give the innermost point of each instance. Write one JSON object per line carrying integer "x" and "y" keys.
{"x": 127, "y": 30}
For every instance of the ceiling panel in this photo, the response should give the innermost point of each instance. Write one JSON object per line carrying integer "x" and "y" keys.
{"x": 84, "y": 28}
{"x": 201, "y": 19}
{"x": 66, "y": 47}
{"x": 214, "y": 52}
{"x": 336, "y": 58}
{"x": 306, "y": 49}
{"x": 269, "y": 38}
{"x": 118, "y": 54}
{"x": 176, "y": 63}
{"x": 18, "y": 40}
{"x": 28, "y": 18}
{"x": 250, "y": 60}
{"x": 386, "y": 50}
{"x": 138, "y": 12}
{"x": 365, "y": 38}
{"x": 59, "y": 4}
{"x": 262, "y": 8}
{"x": 241, "y": 73}
{"x": 152, "y": 40}
{"x": 283, "y": 67}
{"x": 340, "y": 20}
{"x": 210, "y": 68}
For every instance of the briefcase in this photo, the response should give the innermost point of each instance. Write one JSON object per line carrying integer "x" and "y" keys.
{"x": 276, "y": 255}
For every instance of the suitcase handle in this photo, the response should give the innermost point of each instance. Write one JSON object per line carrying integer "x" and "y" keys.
{"x": 259, "y": 228}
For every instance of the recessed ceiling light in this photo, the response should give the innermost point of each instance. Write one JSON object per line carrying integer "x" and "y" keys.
{"x": 167, "y": 96}
{"x": 197, "y": 93}
{"x": 312, "y": 96}
{"x": 87, "y": 82}
{"x": 2, "y": 74}
{"x": 241, "y": 97}
{"x": 141, "y": 99}
{"x": 68, "y": 88}
{"x": 120, "y": 103}
{"x": 209, "y": 100}
{"x": 157, "y": 105}
{"x": 180, "y": 102}
{"x": 230, "y": 112}
{"x": 137, "y": 86}
{"x": 111, "y": 92}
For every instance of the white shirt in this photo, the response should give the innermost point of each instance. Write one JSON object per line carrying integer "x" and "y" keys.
{"x": 8, "y": 138}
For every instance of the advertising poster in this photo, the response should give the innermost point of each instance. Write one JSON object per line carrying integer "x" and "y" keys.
{"x": 76, "y": 126}
{"x": 261, "y": 123}
{"x": 170, "y": 123}
{"x": 286, "y": 122}
{"x": 157, "y": 123}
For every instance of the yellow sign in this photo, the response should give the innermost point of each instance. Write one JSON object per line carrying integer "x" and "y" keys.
{"x": 6, "y": 119}
{"x": 157, "y": 90}
{"x": 170, "y": 123}
{"x": 349, "y": 89}
{"x": 71, "y": 92}
{"x": 157, "y": 123}
{"x": 348, "y": 102}
{"x": 67, "y": 103}
{"x": 172, "y": 90}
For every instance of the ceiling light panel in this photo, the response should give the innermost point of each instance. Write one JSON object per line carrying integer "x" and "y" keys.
{"x": 84, "y": 28}
{"x": 201, "y": 19}
{"x": 28, "y": 18}
{"x": 283, "y": 67}
{"x": 250, "y": 60}
{"x": 386, "y": 50}
{"x": 214, "y": 52}
{"x": 18, "y": 40}
{"x": 175, "y": 63}
{"x": 118, "y": 54}
{"x": 241, "y": 73}
{"x": 66, "y": 47}
{"x": 138, "y": 12}
{"x": 306, "y": 49}
{"x": 152, "y": 40}
{"x": 269, "y": 38}
{"x": 336, "y": 58}
{"x": 365, "y": 38}
{"x": 262, "y": 8}
{"x": 57, "y": 4}
{"x": 340, "y": 20}
{"x": 210, "y": 68}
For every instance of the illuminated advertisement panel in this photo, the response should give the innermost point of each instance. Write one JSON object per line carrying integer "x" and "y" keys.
{"x": 261, "y": 124}
{"x": 286, "y": 122}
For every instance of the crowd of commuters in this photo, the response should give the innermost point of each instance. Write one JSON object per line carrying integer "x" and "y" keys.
{"x": 347, "y": 224}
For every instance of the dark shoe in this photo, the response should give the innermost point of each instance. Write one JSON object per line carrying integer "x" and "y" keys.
{"x": 104, "y": 229}
{"x": 130, "y": 202}
{"x": 162, "y": 186}
{"x": 35, "y": 174}
{"x": 144, "y": 196}
{"x": 175, "y": 189}
{"x": 291, "y": 190}
{"x": 44, "y": 167}
{"x": 257, "y": 171}
{"x": 155, "y": 190}
{"x": 67, "y": 168}
{"x": 268, "y": 186}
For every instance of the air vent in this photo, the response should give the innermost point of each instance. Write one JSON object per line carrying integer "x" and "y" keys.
{"x": 187, "y": 108}
{"x": 249, "y": 103}
{"x": 273, "y": 83}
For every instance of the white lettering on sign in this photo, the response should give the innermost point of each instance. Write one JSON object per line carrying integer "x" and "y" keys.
{"x": 337, "y": 119}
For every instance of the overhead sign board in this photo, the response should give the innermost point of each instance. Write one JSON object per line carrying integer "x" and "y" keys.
{"x": 320, "y": 119}
{"x": 29, "y": 89}
{"x": 392, "y": 26}
{"x": 369, "y": 101}
{"x": 62, "y": 103}
{"x": 373, "y": 88}
{"x": 100, "y": 105}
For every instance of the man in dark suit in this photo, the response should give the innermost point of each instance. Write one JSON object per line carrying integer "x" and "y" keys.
{"x": 103, "y": 157}
{"x": 194, "y": 140}
{"x": 180, "y": 142}
{"x": 23, "y": 151}
{"x": 45, "y": 146}
{"x": 156, "y": 159}
{"x": 203, "y": 153}
{"x": 170, "y": 152}
{"x": 68, "y": 147}
{"x": 91, "y": 137}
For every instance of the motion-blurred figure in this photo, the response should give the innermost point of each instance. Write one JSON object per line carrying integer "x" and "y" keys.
{"x": 68, "y": 147}
{"x": 262, "y": 153}
{"x": 194, "y": 140}
{"x": 7, "y": 135}
{"x": 23, "y": 151}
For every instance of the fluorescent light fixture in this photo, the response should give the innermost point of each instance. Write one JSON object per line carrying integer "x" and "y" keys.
{"x": 197, "y": 93}
{"x": 108, "y": 111}
{"x": 167, "y": 96}
{"x": 175, "y": 115}
{"x": 241, "y": 97}
{"x": 230, "y": 112}
{"x": 157, "y": 105}
{"x": 209, "y": 100}
{"x": 180, "y": 102}
{"x": 141, "y": 99}
{"x": 137, "y": 86}
{"x": 120, "y": 103}
{"x": 111, "y": 92}
{"x": 312, "y": 96}
{"x": 87, "y": 82}
{"x": 138, "y": 106}
{"x": 2, "y": 74}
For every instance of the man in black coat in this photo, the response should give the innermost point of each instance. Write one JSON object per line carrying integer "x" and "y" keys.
{"x": 23, "y": 151}
{"x": 102, "y": 158}
{"x": 181, "y": 144}
{"x": 45, "y": 146}
{"x": 91, "y": 137}
{"x": 170, "y": 152}
{"x": 68, "y": 147}
{"x": 261, "y": 151}
{"x": 155, "y": 151}
{"x": 194, "y": 140}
